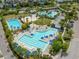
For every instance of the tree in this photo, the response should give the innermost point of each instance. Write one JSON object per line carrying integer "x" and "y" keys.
{"x": 18, "y": 6}
{"x": 53, "y": 2}
{"x": 6, "y": 8}
{"x": 56, "y": 47}
{"x": 0, "y": 1}
{"x": 24, "y": 4}
{"x": 74, "y": 14}
{"x": 65, "y": 47}
{"x": 62, "y": 23}
{"x": 39, "y": 53}
{"x": 1, "y": 17}
{"x": 36, "y": 54}
{"x": 24, "y": 26}
{"x": 66, "y": 7}
{"x": 68, "y": 34}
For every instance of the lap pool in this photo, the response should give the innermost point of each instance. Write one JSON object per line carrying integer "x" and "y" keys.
{"x": 14, "y": 24}
{"x": 36, "y": 41}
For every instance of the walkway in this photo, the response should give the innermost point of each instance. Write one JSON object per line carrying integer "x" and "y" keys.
{"x": 7, "y": 53}
{"x": 73, "y": 52}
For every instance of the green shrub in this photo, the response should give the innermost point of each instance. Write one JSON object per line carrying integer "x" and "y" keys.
{"x": 56, "y": 47}
{"x": 25, "y": 26}
{"x": 65, "y": 47}
{"x": 46, "y": 57}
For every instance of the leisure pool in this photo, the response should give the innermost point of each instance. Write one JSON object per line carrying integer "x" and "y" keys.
{"x": 14, "y": 24}
{"x": 50, "y": 14}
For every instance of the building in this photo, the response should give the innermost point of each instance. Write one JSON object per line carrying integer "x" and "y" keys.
{"x": 64, "y": 0}
{"x": 67, "y": 1}
{"x": 30, "y": 18}
{"x": 12, "y": 3}
{"x": 38, "y": 1}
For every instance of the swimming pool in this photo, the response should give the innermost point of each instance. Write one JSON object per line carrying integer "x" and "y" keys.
{"x": 48, "y": 14}
{"x": 35, "y": 40}
{"x": 52, "y": 14}
{"x": 14, "y": 24}
{"x": 42, "y": 13}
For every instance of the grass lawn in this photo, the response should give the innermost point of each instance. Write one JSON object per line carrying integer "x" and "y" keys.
{"x": 43, "y": 21}
{"x": 15, "y": 16}
{"x": 1, "y": 17}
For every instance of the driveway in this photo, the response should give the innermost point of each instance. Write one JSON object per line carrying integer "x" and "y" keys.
{"x": 73, "y": 51}
{"x": 4, "y": 47}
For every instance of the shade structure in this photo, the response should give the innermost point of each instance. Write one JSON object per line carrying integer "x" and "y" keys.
{"x": 50, "y": 42}
{"x": 32, "y": 34}
{"x": 46, "y": 36}
{"x": 42, "y": 37}
{"x": 51, "y": 35}
{"x": 56, "y": 37}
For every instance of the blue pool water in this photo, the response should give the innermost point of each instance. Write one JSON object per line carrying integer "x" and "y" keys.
{"x": 35, "y": 40}
{"x": 52, "y": 14}
{"x": 14, "y": 24}
{"x": 42, "y": 13}
{"x": 48, "y": 14}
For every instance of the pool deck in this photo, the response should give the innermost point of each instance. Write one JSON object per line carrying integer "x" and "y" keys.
{"x": 16, "y": 39}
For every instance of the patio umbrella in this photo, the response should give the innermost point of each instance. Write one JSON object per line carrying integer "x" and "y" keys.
{"x": 56, "y": 37}
{"x": 11, "y": 27}
{"x": 14, "y": 28}
{"x": 28, "y": 53}
{"x": 42, "y": 37}
{"x": 50, "y": 42}
{"x": 46, "y": 36}
{"x": 17, "y": 27}
{"x": 32, "y": 34}
{"x": 51, "y": 35}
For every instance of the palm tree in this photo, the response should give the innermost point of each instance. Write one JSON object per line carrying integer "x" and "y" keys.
{"x": 1, "y": 17}
{"x": 70, "y": 16}
{"x": 53, "y": 2}
{"x": 63, "y": 24}
{"x": 39, "y": 53}
{"x": 56, "y": 47}
{"x": 68, "y": 34}
{"x": 74, "y": 14}
{"x": 36, "y": 54}
{"x": 18, "y": 6}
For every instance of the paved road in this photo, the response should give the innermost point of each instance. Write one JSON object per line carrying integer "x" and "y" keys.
{"x": 73, "y": 51}
{"x": 7, "y": 53}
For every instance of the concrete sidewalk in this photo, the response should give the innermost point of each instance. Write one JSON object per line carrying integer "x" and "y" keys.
{"x": 4, "y": 47}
